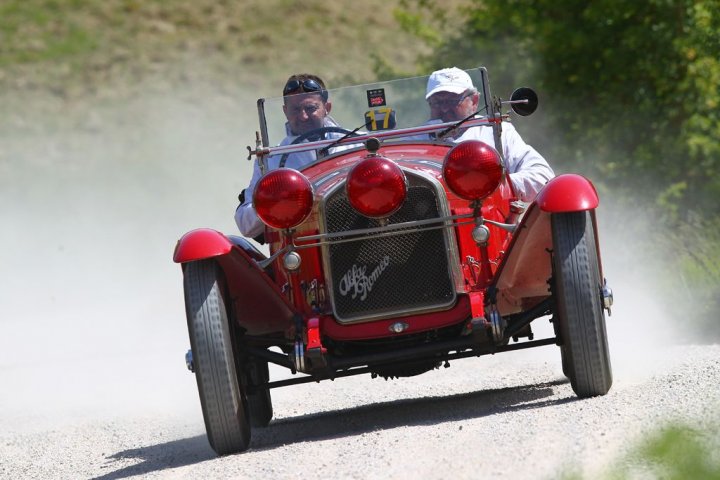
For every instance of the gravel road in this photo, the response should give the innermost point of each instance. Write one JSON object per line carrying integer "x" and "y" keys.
{"x": 505, "y": 416}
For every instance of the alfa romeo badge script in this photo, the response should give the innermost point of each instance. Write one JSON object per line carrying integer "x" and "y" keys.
{"x": 356, "y": 282}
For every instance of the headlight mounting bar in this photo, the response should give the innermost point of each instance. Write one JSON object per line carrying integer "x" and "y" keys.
{"x": 380, "y": 232}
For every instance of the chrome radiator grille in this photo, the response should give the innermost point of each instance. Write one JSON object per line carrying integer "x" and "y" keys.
{"x": 392, "y": 275}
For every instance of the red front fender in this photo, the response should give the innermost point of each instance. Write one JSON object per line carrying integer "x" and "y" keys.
{"x": 568, "y": 193}
{"x": 200, "y": 244}
{"x": 258, "y": 304}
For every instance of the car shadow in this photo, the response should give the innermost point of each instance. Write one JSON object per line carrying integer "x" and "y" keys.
{"x": 348, "y": 422}
{"x": 163, "y": 456}
{"x": 408, "y": 412}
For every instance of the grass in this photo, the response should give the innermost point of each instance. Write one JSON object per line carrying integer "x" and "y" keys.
{"x": 62, "y": 60}
{"x": 76, "y": 47}
{"x": 674, "y": 452}
{"x": 33, "y": 32}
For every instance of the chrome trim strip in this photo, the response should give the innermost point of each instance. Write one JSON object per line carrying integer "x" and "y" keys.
{"x": 389, "y": 229}
{"x": 325, "y": 246}
{"x": 436, "y": 127}
{"x": 317, "y": 183}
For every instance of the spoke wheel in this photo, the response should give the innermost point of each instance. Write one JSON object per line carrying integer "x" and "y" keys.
{"x": 221, "y": 395}
{"x": 578, "y": 301}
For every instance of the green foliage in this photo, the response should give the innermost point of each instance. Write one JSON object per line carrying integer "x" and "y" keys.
{"x": 424, "y": 22}
{"x": 676, "y": 452}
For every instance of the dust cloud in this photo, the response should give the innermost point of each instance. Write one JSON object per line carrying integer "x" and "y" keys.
{"x": 643, "y": 323}
{"x": 641, "y": 326}
{"x": 92, "y": 203}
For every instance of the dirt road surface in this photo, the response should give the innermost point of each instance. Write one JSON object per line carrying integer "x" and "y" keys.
{"x": 506, "y": 416}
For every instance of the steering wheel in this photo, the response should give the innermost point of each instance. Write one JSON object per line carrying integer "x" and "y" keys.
{"x": 311, "y": 133}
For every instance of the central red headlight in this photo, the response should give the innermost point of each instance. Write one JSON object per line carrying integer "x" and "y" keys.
{"x": 376, "y": 187}
{"x": 472, "y": 170}
{"x": 283, "y": 198}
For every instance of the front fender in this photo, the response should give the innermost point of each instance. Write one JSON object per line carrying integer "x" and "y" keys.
{"x": 201, "y": 244}
{"x": 568, "y": 193}
{"x": 258, "y": 305}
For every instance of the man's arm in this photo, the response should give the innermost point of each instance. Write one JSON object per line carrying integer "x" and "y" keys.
{"x": 246, "y": 218}
{"x": 528, "y": 170}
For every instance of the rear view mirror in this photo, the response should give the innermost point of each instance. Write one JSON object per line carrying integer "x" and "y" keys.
{"x": 524, "y": 101}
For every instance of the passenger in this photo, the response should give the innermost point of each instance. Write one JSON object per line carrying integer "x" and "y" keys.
{"x": 307, "y": 107}
{"x": 452, "y": 96}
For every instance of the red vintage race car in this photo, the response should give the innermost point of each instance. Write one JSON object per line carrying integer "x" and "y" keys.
{"x": 395, "y": 251}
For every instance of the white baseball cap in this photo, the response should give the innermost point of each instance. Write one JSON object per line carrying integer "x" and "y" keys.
{"x": 451, "y": 80}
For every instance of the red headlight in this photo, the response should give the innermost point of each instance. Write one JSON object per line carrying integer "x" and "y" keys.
{"x": 376, "y": 187}
{"x": 283, "y": 198}
{"x": 472, "y": 170}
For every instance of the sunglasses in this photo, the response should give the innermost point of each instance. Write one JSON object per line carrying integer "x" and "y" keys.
{"x": 308, "y": 85}
{"x": 449, "y": 102}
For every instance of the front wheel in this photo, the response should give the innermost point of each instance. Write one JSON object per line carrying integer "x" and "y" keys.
{"x": 578, "y": 301}
{"x": 221, "y": 395}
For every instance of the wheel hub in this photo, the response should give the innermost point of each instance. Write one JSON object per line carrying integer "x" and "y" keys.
{"x": 607, "y": 296}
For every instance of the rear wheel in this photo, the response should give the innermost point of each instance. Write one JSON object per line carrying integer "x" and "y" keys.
{"x": 578, "y": 301}
{"x": 565, "y": 361}
{"x": 259, "y": 402}
{"x": 221, "y": 395}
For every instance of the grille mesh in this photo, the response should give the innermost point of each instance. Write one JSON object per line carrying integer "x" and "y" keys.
{"x": 416, "y": 273}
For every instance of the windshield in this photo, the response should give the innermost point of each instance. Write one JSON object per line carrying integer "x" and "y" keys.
{"x": 382, "y": 106}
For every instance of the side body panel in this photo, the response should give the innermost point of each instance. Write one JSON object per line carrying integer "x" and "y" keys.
{"x": 522, "y": 279}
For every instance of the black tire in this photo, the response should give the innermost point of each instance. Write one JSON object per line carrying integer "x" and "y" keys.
{"x": 221, "y": 395}
{"x": 259, "y": 402}
{"x": 565, "y": 362}
{"x": 578, "y": 302}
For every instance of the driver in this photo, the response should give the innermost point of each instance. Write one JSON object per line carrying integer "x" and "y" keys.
{"x": 452, "y": 97}
{"x": 307, "y": 108}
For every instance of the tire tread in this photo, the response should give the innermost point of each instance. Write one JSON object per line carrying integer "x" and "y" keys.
{"x": 577, "y": 281}
{"x": 221, "y": 395}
